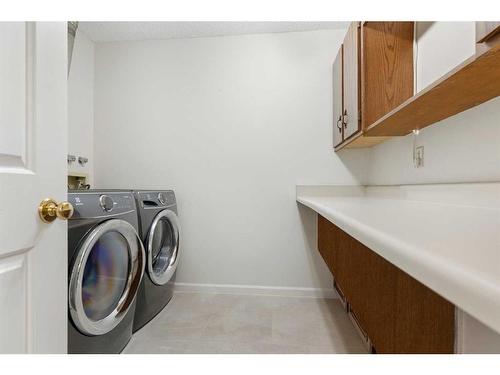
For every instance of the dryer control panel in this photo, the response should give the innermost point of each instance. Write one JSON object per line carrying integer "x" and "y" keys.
{"x": 152, "y": 199}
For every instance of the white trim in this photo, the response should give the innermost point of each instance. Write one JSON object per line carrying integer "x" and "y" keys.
{"x": 255, "y": 290}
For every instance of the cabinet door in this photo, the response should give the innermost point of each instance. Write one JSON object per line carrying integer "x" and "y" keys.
{"x": 425, "y": 321}
{"x": 338, "y": 129}
{"x": 351, "y": 81}
{"x": 386, "y": 66}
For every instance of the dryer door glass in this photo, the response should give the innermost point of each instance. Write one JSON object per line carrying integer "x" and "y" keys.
{"x": 163, "y": 244}
{"x": 105, "y": 275}
{"x": 163, "y": 247}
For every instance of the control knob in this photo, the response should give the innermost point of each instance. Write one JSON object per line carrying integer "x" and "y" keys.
{"x": 106, "y": 203}
{"x": 162, "y": 197}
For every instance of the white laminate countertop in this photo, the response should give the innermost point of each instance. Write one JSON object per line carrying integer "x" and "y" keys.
{"x": 445, "y": 236}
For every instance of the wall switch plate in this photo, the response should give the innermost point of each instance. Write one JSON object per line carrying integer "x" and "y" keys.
{"x": 419, "y": 157}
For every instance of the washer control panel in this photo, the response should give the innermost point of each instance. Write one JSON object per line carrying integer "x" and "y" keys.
{"x": 98, "y": 204}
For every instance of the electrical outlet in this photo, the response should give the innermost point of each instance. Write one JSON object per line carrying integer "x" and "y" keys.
{"x": 419, "y": 157}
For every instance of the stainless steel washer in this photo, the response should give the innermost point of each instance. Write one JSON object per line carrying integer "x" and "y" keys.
{"x": 160, "y": 232}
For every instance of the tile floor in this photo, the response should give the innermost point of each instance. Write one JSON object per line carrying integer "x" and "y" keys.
{"x": 223, "y": 323}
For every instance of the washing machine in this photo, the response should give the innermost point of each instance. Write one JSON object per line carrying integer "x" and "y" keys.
{"x": 106, "y": 260}
{"x": 160, "y": 232}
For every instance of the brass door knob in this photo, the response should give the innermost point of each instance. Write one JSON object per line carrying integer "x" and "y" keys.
{"x": 49, "y": 210}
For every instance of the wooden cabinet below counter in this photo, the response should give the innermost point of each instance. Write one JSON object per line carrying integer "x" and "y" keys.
{"x": 398, "y": 313}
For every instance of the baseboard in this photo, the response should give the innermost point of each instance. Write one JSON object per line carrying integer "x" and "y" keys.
{"x": 255, "y": 290}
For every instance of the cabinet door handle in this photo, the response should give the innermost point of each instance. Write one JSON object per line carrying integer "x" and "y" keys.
{"x": 345, "y": 118}
{"x": 339, "y": 126}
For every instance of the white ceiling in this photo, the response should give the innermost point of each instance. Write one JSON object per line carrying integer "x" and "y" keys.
{"x": 118, "y": 31}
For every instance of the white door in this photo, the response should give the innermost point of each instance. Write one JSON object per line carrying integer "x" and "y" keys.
{"x": 33, "y": 131}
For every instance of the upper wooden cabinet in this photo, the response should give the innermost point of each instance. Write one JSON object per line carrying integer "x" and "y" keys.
{"x": 382, "y": 55}
{"x": 377, "y": 76}
{"x": 474, "y": 81}
{"x": 386, "y": 68}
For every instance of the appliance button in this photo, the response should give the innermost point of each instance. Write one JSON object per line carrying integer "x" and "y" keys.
{"x": 106, "y": 203}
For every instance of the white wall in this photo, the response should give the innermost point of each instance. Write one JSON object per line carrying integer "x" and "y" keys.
{"x": 232, "y": 124}
{"x": 441, "y": 46}
{"x": 463, "y": 148}
{"x": 81, "y": 104}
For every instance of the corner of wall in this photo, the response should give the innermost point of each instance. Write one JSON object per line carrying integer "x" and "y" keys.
{"x": 81, "y": 105}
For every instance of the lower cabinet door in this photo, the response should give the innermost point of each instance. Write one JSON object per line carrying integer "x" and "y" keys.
{"x": 397, "y": 313}
{"x": 424, "y": 321}
{"x": 370, "y": 283}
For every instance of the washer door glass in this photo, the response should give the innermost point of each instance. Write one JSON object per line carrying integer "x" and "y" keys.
{"x": 105, "y": 275}
{"x": 163, "y": 247}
